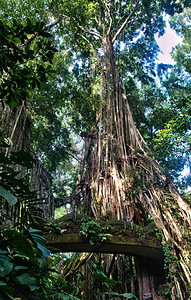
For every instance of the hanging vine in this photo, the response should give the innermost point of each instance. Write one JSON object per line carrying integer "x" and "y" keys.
{"x": 122, "y": 177}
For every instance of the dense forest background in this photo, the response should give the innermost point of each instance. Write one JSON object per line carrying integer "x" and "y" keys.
{"x": 51, "y": 72}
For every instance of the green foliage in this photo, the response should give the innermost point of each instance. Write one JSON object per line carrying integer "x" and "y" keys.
{"x": 25, "y": 266}
{"x": 93, "y": 231}
{"x": 53, "y": 141}
{"x": 26, "y": 279}
{"x": 5, "y": 265}
{"x": 21, "y": 10}
{"x": 171, "y": 142}
{"x": 55, "y": 286}
{"x": 37, "y": 238}
{"x": 104, "y": 284}
{"x": 60, "y": 211}
{"x": 18, "y": 241}
{"x": 141, "y": 234}
{"x": 26, "y": 269}
{"x": 125, "y": 295}
{"x": 100, "y": 277}
{"x": 174, "y": 6}
{"x": 170, "y": 260}
{"x": 181, "y": 52}
{"x": 75, "y": 85}
{"x": 11, "y": 199}
{"x": 171, "y": 148}
{"x": 60, "y": 110}
{"x": 20, "y": 270}
{"x": 22, "y": 67}
{"x": 15, "y": 191}
{"x": 171, "y": 265}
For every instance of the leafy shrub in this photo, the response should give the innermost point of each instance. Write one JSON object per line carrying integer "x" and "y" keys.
{"x": 94, "y": 232}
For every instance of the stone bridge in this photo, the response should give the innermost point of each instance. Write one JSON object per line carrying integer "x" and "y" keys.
{"x": 66, "y": 235}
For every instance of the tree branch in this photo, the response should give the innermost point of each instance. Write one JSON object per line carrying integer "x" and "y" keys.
{"x": 45, "y": 27}
{"x": 90, "y": 31}
{"x": 88, "y": 41}
{"x": 111, "y": 20}
{"x": 52, "y": 24}
{"x": 125, "y": 22}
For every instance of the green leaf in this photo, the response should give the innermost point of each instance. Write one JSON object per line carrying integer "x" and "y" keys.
{"x": 129, "y": 296}
{"x": 38, "y": 26}
{"x": 26, "y": 279}
{"x": 125, "y": 295}
{"x": 22, "y": 158}
{"x": 5, "y": 265}
{"x": 3, "y": 252}
{"x": 102, "y": 278}
{"x": 9, "y": 37}
{"x": 2, "y": 283}
{"x": 100, "y": 271}
{"x": 20, "y": 242}
{"x": 11, "y": 199}
{"x": 16, "y": 40}
{"x": 4, "y": 144}
{"x": 40, "y": 242}
{"x": 18, "y": 268}
{"x": 6, "y": 290}
{"x": 66, "y": 297}
{"x": 29, "y": 27}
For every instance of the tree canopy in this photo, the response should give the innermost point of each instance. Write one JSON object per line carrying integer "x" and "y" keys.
{"x": 80, "y": 68}
{"x": 76, "y": 85}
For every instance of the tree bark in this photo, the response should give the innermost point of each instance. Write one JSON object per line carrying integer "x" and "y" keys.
{"x": 130, "y": 181}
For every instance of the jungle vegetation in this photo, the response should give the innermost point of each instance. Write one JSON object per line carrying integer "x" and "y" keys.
{"x": 86, "y": 72}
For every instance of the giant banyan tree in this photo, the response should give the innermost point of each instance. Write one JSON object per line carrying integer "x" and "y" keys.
{"x": 119, "y": 175}
{"x": 121, "y": 178}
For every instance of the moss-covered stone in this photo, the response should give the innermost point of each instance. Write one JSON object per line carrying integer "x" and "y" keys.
{"x": 65, "y": 235}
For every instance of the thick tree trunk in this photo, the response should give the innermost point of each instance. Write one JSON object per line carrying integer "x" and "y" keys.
{"x": 123, "y": 179}
{"x": 15, "y": 124}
